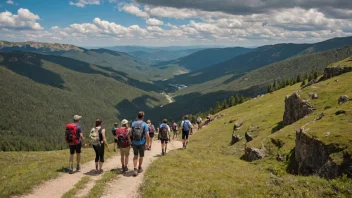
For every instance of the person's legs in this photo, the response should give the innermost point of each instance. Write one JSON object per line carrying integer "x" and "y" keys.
{"x": 141, "y": 156}
{"x": 96, "y": 150}
{"x": 78, "y": 151}
{"x": 186, "y": 139}
{"x": 101, "y": 157}
{"x": 135, "y": 157}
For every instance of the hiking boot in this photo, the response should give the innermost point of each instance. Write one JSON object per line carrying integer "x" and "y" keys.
{"x": 135, "y": 172}
{"x": 125, "y": 169}
{"x": 70, "y": 171}
{"x": 140, "y": 170}
{"x": 101, "y": 171}
{"x": 122, "y": 170}
{"x": 78, "y": 168}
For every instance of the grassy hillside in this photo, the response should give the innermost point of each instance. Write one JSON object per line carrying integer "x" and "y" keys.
{"x": 209, "y": 167}
{"x": 40, "y": 94}
{"x": 206, "y": 58}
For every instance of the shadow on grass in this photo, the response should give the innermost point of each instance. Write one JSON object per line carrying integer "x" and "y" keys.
{"x": 62, "y": 170}
{"x": 279, "y": 126}
{"x": 292, "y": 166}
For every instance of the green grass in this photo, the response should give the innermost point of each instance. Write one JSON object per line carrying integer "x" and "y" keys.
{"x": 99, "y": 187}
{"x": 22, "y": 171}
{"x": 79, "y": 186}
{"x": 211, "y": 168}
{"x": 345, "y": 63}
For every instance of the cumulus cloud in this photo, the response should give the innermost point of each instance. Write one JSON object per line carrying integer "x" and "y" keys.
{"x": 83, "y": 3}
{"x": 10, "y": 2}
{"x": 23, "y": 20}
{"x": 245, "y": 7}
{"x": 154, "y": 22}
{"x": 133, "y": 9}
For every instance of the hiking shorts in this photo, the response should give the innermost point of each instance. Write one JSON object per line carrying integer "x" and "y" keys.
{"x": 185, "y": 135}
{"x": 138, "y": 149}
{"x": 175, "y": 132}
{"x": 164, "y": 141}
{"x": 151, "y": 134}
{"x": 75, "y": 148}
{"x": 125, "y": 151}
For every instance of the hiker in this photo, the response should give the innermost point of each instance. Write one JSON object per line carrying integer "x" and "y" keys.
{"x": 114, "y": 134}
{"x": 73, "y": 137}
{"x": 208, "y": 119}
{"x": 199, "y": 122}
{"x": 174, "y": 129}
{"x": 98, "y": 140}
{"x": 124, "y": 143}
{"x": 164, "y": 136}
{"x": 139, "y": 136}
{"x": 186, "y": 126}
{"x": 151, "y": 130}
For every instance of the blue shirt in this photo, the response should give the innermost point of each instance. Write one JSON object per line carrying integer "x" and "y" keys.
{"x": 145, "y": 130}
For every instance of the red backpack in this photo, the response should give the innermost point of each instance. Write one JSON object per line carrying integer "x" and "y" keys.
{"x": 71, "y": 134}
{"x": 121, "y": 136}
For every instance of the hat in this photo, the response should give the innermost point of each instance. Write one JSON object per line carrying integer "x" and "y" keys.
{"x": 124, "y": 121}
{"x": 77, "y": 117}
{"x": 164, "y": 120}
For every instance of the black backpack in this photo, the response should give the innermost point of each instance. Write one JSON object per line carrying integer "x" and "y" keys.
{"x": 138, "y": 131}
{"x": 163, "y": 132}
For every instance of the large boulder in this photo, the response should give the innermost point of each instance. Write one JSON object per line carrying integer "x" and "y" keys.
{"x": 252, "y": 154}
{"x": 314, "y": 157}
{"x": 343, "y": 99}
{"x": 235, "y": 139}
{"x": 296, "y": 109}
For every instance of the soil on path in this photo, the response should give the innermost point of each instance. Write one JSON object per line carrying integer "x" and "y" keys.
{"x": 124, "y": 186}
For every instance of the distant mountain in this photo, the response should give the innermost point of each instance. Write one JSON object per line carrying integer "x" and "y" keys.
{"x": 40, "y": 93}
{"x": 206, "y": 58}
{"x": 161, "y": 55}
{"x": 38, "y": 47}
{"x": 128, "y": 49}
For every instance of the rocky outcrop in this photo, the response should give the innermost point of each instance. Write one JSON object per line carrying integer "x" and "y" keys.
{"x": 252, "y": 154}
{"x": 343, "y": 99}
{"x": 315, "y": 96}
{"x": 235, "y": 139}
{"x": 296, "y": 109}
{"x": 314, "y": 158}
{"x": 330, "y": 72}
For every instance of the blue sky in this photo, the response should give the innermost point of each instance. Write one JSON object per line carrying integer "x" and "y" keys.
{"x": 182, "y": 22}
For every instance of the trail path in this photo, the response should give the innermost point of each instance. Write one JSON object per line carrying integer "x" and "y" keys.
{"x": 124, "y": 186}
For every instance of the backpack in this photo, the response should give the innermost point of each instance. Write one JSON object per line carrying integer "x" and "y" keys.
{"x": 94, "y": 136}
{"x": 151, "y": 129}
{"x": 121, "y": 136}
{"x": 174, "y": 127}
{"x": 163, "y": 132}
{"x": 185, "y": 126}
{"x": 138, "y": 131}
{"x": 71, "y": 134}
{"x": 114, "y": 132}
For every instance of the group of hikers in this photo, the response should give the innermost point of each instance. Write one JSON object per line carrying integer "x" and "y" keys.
{"x": 139, "y": 136}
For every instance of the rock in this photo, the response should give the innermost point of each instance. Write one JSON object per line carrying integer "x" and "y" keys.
{"x": 237, "y": 125}
{"x": 327, "y": 134}
{"x": 231, "y": 121}
{"x": 235, "y": 139}
{"x": 296, "y": 109}
{"x": 315, "y": 96}
{"x": 339, "y": 112}
{"x": 343, "y": 99}
{"x": 330, "y": 72}
{"x": 313, "y": 157}
{"x": 312, "y": 82}
{"x": 248, "y": 137}
{"x": 279, "y": 158}
{"x": 252, "y": 154}
{"x": 320, "y": 117}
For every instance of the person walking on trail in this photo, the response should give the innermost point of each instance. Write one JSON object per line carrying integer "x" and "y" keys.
{"x": 151, "y": 130}
{"x": 186, "y": 126}
{"x": 74, "y": 138}
{"x": 123, "y": 137}
{"x": 98, "y": 140}
{"x": 174, "y": 129}
{"x": 164, "y": 136}
{"x": 139, "y": 135}
{"x": 114, "y": 134}
{"x": 199, "y": 122}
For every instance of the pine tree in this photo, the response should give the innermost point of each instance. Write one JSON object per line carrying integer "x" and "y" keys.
{"x": 274, "y": 86}
{"x": 232, "y": 101}
{"x": 270, "y": 89}
{"x": 315, "y": 73}
{"x": 217, "y": 107}
{"x": 224, "y": 105}
{"x": 303, "y": 83}
{"x": 237, "y": 99}
{"x": 299, "y": 78}
{"x": 242, "y": 100}
{"x": 282, "y": 83}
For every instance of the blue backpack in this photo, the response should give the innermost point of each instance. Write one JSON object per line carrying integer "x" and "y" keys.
{"x": 186, "y": 125}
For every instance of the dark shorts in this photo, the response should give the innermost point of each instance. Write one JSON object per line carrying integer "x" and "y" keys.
{"x": 115, "y": 140}
{"x": 185, "y": 135}
{"x": 151, "y": 134}
{"x": 175, "y": 132}
{"x": 164, "y": 141}
{"x": 138, "y": 149}
{"x": 75, "y": 148}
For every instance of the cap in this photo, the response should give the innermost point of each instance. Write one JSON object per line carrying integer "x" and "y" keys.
{"x": 77, "y": 117}
{"x": 124, "y": 121}
{"x": 164, "y": 120}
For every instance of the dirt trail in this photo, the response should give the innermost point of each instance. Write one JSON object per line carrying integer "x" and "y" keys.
{"x": 123, "y": 186}
{"x": 127, "y": 186}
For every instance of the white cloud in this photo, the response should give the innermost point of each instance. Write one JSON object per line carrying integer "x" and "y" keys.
{"x": 10, "y": 2}
{"x": 132, "y": 9}
{"x": 83, "y": 3}
{"x": 23, "y": 20}
{"x": 154, "y": 22}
